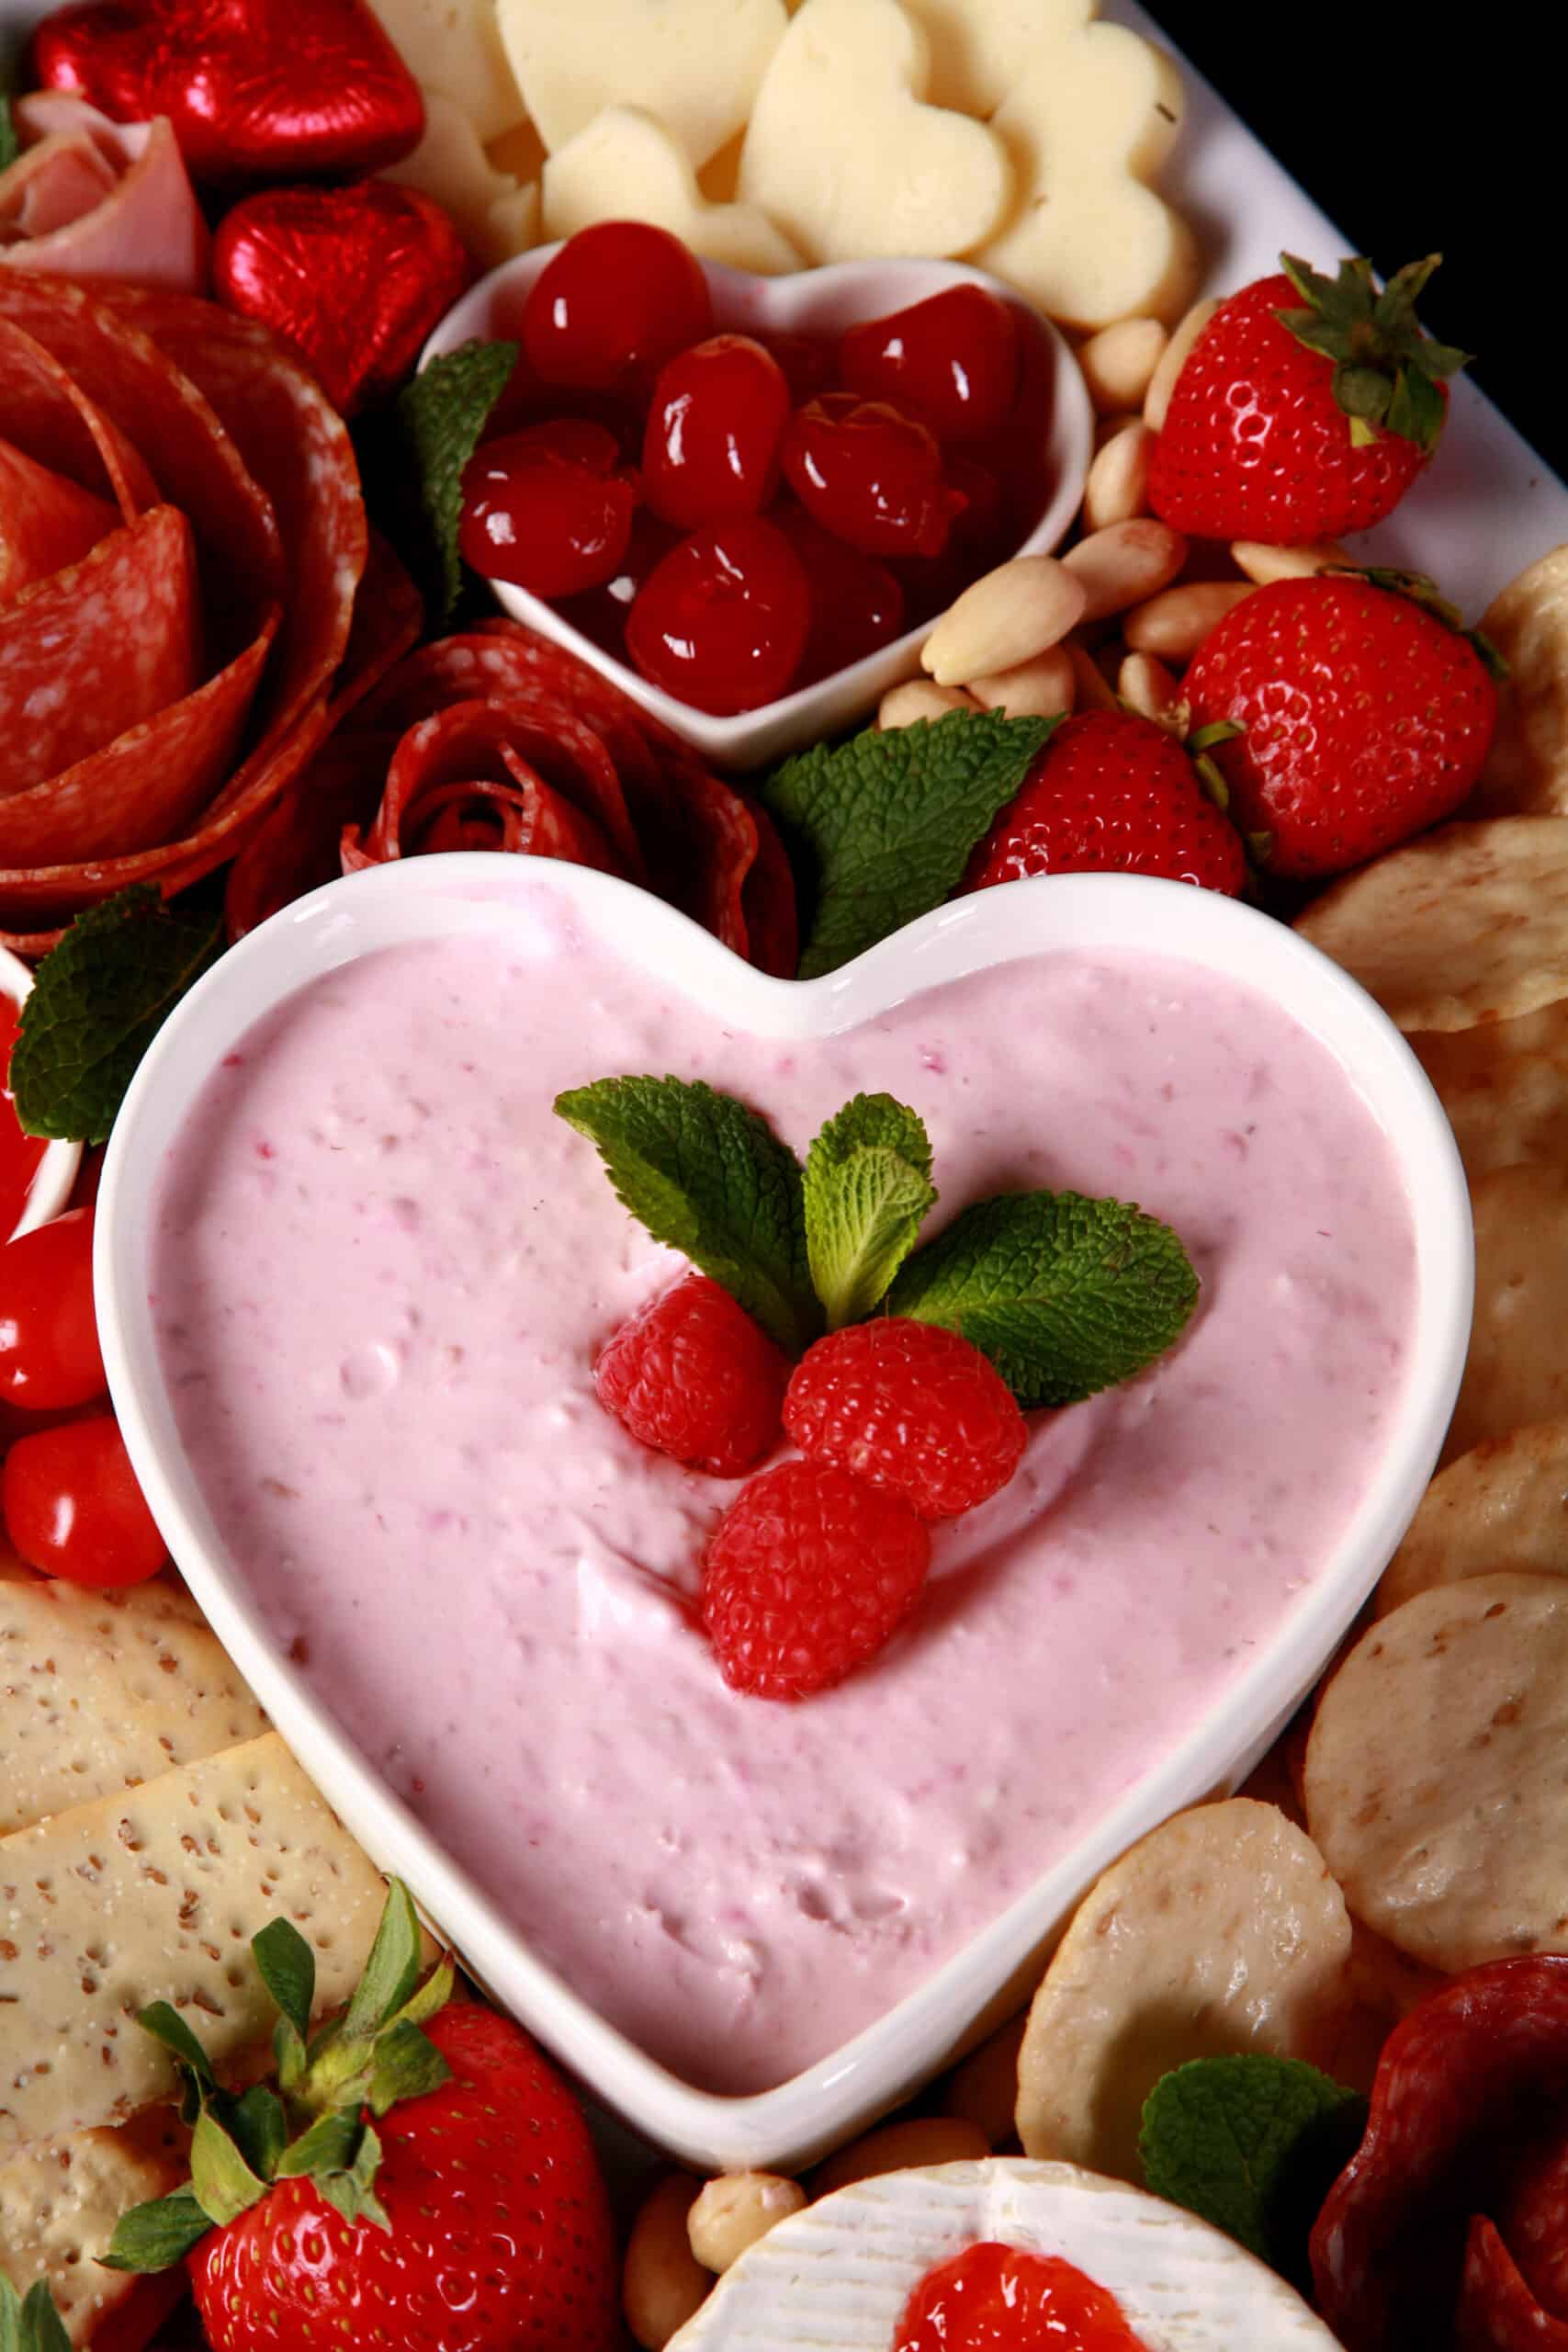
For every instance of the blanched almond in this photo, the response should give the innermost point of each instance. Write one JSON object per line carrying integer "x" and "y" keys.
{"x": 918, "y": 699}
{"x": 733, "y": 2212}
{"x": 1146, "y": 687}
{"x": 1006, "y": 616}
{"x": 1093, "y": 690}
{"x": 984, "y": 2090}
{"x": 1173, "y": 358}
{"x": 897, "y": 2147}
{"x": 1173, "y": 626}
{"x": 1124, "y": 565}
{"x": 1118, "y": 484}
{"x": 1034, "y": 689}
{"x": 1119, "y": 363}
{"x": 662, "y": 2282}
{"x": 1263, "y": 564}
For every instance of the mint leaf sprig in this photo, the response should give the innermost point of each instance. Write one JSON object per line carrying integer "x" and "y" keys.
{"x": 320, "y": 2124}
{"x": 10, "y": 148}
{"x": 98, "y": 999}
{"x": 1251, "y": 2143}
{"x": 885, "y": 824}
{"x": 441, "y": 415}
{"x": 1066, "y": 1295}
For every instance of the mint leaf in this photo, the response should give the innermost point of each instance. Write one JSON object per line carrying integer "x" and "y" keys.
{"x": 98, "y": 1001}
{"x": 709, "y": 1178}
{"x": 867, "y": 1187}
{"x": 1066, "y": 1295}
{"x": 1250, "y": 2143}
{"x": 288, "y": 1968}
{"x": 886, "y": 822}
{"x": 441, "y": 414}
{"x": 10, "y": 148}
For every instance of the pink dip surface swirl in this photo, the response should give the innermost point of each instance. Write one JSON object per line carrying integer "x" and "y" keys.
{"x": 381, "y": 1271}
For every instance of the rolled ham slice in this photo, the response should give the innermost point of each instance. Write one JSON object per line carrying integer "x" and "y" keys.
{"x": 97, "y": 200}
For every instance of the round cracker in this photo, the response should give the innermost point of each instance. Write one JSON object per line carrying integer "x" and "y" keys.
{"x": 1220, "y": 1931}
{"x": 1516, "y": 1370}
{"x": 1437, "y": 1776}
{"x": 1505, "y": 1087}
{"x": 1467, "y": 924}
{"x": 1526, "y": 769}
{"x": 1502, "y": 1505}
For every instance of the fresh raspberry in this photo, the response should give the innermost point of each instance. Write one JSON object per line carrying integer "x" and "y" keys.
{"x": 808, "y": 1573}
{"x": 694, "y": 1377}
{"x": 909, "y": 1406}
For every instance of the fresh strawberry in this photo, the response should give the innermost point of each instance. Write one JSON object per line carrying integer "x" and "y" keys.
{"x": 907, "y": 1405}
{"x": 809, "y": 1575}
{"x": 1112, "y": 793}
{"x": 425, "y": 2183}
{"x": 694, "y": 1377}
{"x": 1302, "y": 418}
{"x": 1365, "y": 716}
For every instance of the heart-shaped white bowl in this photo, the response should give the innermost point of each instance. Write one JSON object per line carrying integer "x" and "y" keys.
{"x": 56, "y": 1171}
{"x": 441, "y": 897}
{"x": 816, "y": 301}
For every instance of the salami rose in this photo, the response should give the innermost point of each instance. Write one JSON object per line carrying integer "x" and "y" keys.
{"x": 182, "y": 542}
{"x": 1448, "y": 2228}
{"x": 499, "y": 740}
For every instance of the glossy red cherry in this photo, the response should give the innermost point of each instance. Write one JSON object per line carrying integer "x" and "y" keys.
{"x": 870, "y": 474}
{"x": 711, "y": 450}
{"x": 954, "y": 358}
{"x": 857, "y": 606}
{"x": 601, "y": 614}
{"x": 810, "y": 362}
{"x": 547, "y": 509}
{"x": 996, "y": 2298}
{"x": 722, "y": 622}
{"x": 618, "y": 302}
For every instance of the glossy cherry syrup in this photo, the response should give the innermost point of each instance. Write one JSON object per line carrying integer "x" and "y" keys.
{"x": 994, "y": 2298}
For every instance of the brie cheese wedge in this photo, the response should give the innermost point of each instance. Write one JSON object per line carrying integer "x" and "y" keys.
{"x": 837, "y": 2278}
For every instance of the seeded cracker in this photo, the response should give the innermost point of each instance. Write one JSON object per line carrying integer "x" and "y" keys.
{"x": 101, "y": 1689}
{"x": 1467, "y": 924}
{"x": 1526, "y": 771}
{"x": 1505, "y": 1087}
{"x": 1437, "y": 1780}
{"x": 1502, "y": 1505}
{"x": 60, "y": 2201}
{"x": 153, "y": 1895}
{"x": 1516, "y": 1370}
{"x": 1221, "y": 1931}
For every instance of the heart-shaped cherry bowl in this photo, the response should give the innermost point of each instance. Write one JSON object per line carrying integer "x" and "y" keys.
{"x": 823, "y": 302}
{"x": 324, "y": 1212}
{"x": 47, "y": 1171}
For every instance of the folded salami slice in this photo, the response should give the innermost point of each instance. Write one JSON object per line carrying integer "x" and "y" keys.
{"x": 499, "y": 738}
{"x": 165, "y": 402}
{"x": 1497, "y": 2311}
{"x": 1468, "y": 2086}
{"x": 97, "y": 648}
{"x": 47, "y": 520}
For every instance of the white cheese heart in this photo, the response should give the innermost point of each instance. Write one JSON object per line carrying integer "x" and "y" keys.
{"x": 497, "y": 214}
{"x": 625, "y": 166}
{"x": 1090, "y": 120}
{"x": 844, "y": 154}
{"x": 978, "y": 48}
{"x": 837, "y": 2277}
{"x": 454, "y": 45}
{"x": 694, "y": 64}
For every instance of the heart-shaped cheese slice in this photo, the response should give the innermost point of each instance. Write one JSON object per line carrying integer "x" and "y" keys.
{"x": 453, "y": 47}
{"x": 838, "y": 2276}
{"x": 696, "y": 65}
{"x": 497, "y": 214}
{"x": 845, "y": 155}
{"x": 625, "y": 165}
{"x": 1089, "y": 121}
{"x": 978, "y": 48}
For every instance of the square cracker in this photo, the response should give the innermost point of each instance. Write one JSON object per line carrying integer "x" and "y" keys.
{"x": 60, "y": 2201}
{"x": 153, "y": 1894}
{"x": 101, "y": 1689}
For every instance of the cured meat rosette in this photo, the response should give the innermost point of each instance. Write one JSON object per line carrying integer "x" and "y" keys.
{"x": 182, "y": 544}
{"x": 499, "y": 740}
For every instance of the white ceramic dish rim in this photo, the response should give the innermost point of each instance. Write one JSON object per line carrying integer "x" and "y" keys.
{"x": 56, "y": 1172}
{"x": 835, "y": 295}
{"x": 429, "y": 898}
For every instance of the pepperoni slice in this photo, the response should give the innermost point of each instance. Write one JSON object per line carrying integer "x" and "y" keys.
{"x": 98, "y": 648}
{"x": 47, "y": 520}
{"x": 1469, "y": 2083}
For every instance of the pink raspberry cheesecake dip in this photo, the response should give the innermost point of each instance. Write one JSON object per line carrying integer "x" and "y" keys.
{"x": 382, "y": 1267}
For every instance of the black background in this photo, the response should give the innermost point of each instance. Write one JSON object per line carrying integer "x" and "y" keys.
{"x": 1424, "y": 129}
